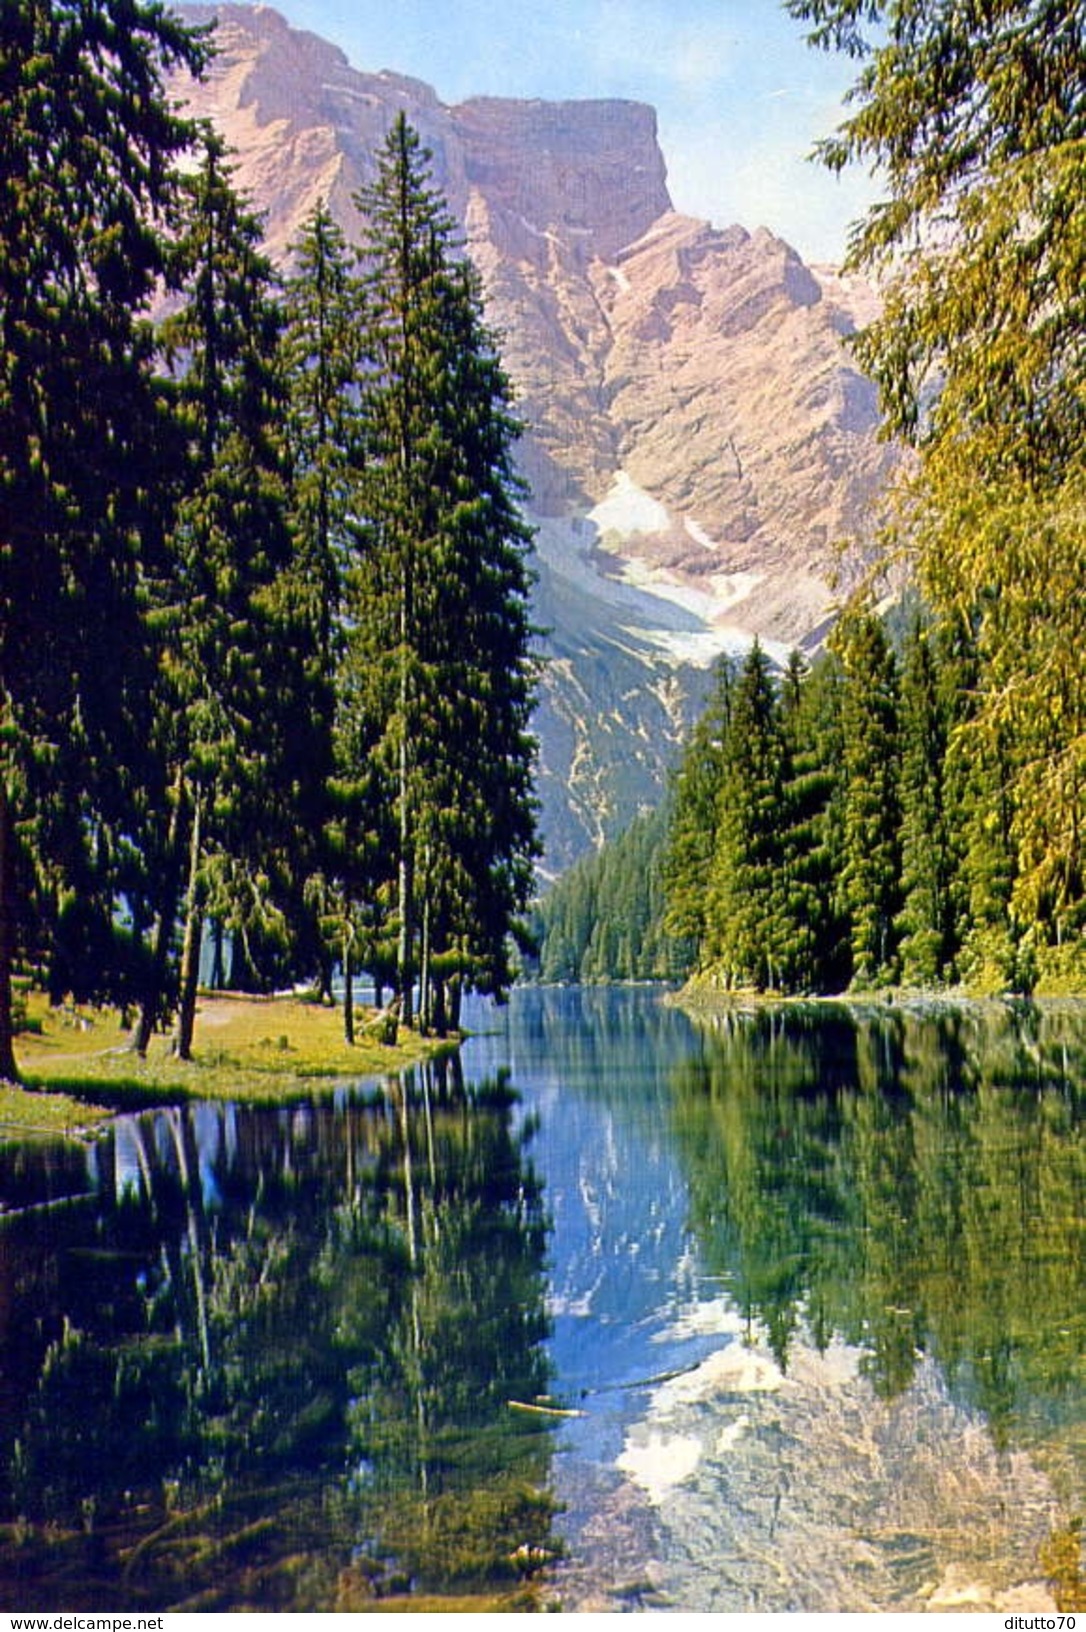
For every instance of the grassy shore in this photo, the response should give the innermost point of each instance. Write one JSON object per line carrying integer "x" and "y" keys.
{"x": 78, "y": 1065}
{"x": 702, "y": 995}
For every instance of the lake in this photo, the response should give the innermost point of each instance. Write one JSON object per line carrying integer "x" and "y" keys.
{"x": 619, "y": 1310}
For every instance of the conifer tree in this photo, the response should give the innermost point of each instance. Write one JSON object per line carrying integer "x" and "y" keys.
{"x": 324, "y": 358}
{"x": 927, "y": 923}
{"x": 811, "y": 958}
{"x": 868, "y": 880}
{"x": 822, "y": 724}
{"x": 695, "y": 810}
{"x": 974, "y": 117}
{"x": 745, "y": 931}
{"x": 993, "y": 958}
{"x": 87, "y": 184}
{"x": 234, "y": 705}
{"x": 440, "y": 636}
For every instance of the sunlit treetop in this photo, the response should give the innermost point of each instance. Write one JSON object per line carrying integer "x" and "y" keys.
{"x": 974, "y": 117}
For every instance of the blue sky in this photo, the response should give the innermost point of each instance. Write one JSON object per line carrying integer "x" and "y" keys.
{"x": 741, "y": 98}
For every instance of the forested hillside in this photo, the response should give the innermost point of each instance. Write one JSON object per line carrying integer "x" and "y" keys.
{"x": 265, "y": 667}
{"x": 604, "y": 919}
{"x": 822, "y": 837}
{"x": 827, "y": 830}
{"x": 974, "y": 120}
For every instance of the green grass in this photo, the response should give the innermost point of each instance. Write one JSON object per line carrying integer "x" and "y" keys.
{"x": 77, "y": 1065}
{"x": 47, "y": 1114}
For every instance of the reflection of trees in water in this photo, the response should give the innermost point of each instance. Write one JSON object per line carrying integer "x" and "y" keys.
{"x": 915, "y": 1183}
{"x": 272, "y": 1365}
{"x": 614, "y": 1039}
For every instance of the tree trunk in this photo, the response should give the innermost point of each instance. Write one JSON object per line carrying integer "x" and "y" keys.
{"x": 190, "y": 952}
{"x": 218, "y": 966}
{"x": 439, "y": 1017}
{"x": 325, "y": 976}
{"x": 348, "y": 991}
{"x": 164, "y": 923}
{"x": 9, "y": 1071}
{"x": 152, "y": 997}
{"x": 241, "y": 966}
{"x": 404, "y": 971}
{"x": 406, "y": 879}
{"x": 424, "y": 950}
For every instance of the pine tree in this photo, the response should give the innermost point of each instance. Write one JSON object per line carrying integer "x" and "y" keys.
{"x": 480, "y": 851}
{"x": 745, "y": 930}
{"x": 868, "y": 881}
{"x": 87, "y": 184}
{"x": 822, "y": 727}
{"x": 234, "y": 706}
{"x": 324, "y": 358}
{"x": 992, "y": 957}
{"x": 695, "y": 806}
{"x": 439, "y": 629}
{"x": 812, "y": 932}
{"x": 927, "y": 923}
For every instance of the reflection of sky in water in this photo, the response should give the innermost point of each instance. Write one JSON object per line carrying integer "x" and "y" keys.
{"x": 623, "y": 1265}
{"x": 127, "y": 1171}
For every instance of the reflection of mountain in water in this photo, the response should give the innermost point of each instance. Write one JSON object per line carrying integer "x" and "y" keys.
{"x": 911, "y": 1183}
{"x": 801, "y": 1490}
{"x": 266, "y": 1360}
{"x": 892, "y": 1206}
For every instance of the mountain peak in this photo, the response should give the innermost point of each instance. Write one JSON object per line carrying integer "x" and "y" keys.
{"x": 292, "y": 105}
{"x": 699, "y": 441}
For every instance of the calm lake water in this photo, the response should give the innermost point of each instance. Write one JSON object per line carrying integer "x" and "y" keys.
{"x": 617, "y": 1311}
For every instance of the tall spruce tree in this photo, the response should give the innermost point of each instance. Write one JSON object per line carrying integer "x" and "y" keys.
{"x": 87, "y": 185}
{"x": 994, "y": 957}
{"x": 236, "y": 643}
{"x": 927, "y": 924}
{"x": 439, "y": 642}
{"x": 695, "y": 806}
{"x": 868, "y": 883}
{"x": 324, "y": 358}
{"x": 811, "y": 954}
{"x": 745, "y": 929}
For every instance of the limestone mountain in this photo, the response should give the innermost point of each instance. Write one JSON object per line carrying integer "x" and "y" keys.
{"x": 699, "y": 441}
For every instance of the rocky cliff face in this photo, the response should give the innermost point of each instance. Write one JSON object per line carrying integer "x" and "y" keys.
{"x": 699, "y": 442}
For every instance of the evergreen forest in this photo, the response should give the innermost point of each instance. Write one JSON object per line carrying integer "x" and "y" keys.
{"x": 603, "y": 919}
{"x": 973, "y": 120}
{"x": 265, "y": 651}
{"x": 826, "y": 831}
{"x": 913, "y": 810}
{"x": 827, "y": 836}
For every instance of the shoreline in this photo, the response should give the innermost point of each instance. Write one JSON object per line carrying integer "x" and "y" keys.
{"x": 893, "y": 999}
{"x": 79, "y": 1069}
